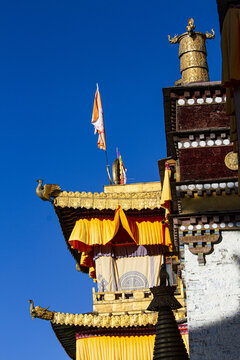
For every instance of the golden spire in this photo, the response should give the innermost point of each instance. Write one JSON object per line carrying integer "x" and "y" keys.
{"x": 192, "y": 54}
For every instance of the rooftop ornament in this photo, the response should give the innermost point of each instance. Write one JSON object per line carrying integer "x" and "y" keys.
{"x": 192, "y": 54}
{"x": 48, "y": 191}
{"x": 40, "y": 312}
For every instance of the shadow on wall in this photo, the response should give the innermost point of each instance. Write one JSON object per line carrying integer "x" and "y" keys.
{"x": 219, "y": 340}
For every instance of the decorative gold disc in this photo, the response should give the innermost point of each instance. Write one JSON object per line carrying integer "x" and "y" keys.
{"x": 231, "y": 160}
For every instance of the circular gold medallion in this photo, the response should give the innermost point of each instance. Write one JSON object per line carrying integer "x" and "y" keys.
{"x": 231, "y": 160}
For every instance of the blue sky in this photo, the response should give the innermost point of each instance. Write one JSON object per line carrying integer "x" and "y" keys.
{"x": 52, "y": 54}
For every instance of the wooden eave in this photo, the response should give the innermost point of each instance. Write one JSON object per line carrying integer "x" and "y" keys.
{"x": 66, "y": 334}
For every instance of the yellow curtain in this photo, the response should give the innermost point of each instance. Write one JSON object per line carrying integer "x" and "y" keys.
{"x": 186, "y": 342}
{"x": 89, "y": 232}
{"x": 118, "y": 347}
{"x": 115, "y": 348}
{"x": 87, "y": 261}
{"x": 166, "y": 197}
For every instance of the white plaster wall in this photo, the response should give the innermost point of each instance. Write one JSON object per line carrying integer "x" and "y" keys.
{"x": 213, "y": 301}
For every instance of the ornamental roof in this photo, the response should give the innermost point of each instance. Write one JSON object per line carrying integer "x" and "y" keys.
{"x": 133, "y": 196}
{"x": 97, "y": 320}
{"x": 140, "y": 199}
{"x": 66, "y": 325}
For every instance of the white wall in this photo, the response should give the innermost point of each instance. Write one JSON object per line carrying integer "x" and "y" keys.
{"x": 213, "y": 301}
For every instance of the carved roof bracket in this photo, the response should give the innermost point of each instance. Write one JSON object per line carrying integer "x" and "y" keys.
{"x": 201, "y": 231}
{"x": 200, "y": 244}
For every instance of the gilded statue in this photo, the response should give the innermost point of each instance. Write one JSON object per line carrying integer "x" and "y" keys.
{"x": 47, "y": 191}
{"x": 40, "y": 312}
{"x": 190, "y": 27}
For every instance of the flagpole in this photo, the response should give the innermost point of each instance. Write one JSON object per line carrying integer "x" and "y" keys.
{"x": 108, "y": 171}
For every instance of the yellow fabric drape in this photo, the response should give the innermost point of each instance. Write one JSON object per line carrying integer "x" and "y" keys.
{"x": 115, "y": 348}
{"x": 166, "y": 197}
{"x": 90, "y": 232}
{"x": 118, "y": 347}
{"x": 87, "y": 261}
{"x": 186, "y": 341}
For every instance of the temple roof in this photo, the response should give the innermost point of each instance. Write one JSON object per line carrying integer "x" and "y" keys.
{"x": 66, "y": 325}
{"x": 136, "y": 199}
{"x": 66, "y": 334}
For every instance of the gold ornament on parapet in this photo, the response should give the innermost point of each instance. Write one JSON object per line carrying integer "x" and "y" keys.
{"x": 192, "y": 54}
{"x": 231, "y": 161}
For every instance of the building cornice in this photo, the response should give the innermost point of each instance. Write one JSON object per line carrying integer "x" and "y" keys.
{"x": 137, "y": 199}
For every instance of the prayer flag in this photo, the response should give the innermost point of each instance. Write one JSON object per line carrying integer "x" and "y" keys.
{"x": 123, "y": 174}
{"x": 118, "y": 154}
{"x": 166, "y": 197}
{"x": 98, "y": 121}
{"x": 123, "y": 170}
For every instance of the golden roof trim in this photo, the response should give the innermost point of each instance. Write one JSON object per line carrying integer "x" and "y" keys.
{"x": 95, "y": 320}
{"x": 103, "y": 320}
{"x": 106, "y": 321}
{"x": 101, "y": 201}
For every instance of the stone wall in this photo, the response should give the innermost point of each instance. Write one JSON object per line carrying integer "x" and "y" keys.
{"x": 213, "y": 301}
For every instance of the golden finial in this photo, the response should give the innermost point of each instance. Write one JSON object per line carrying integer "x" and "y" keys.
{"x": 192, "y": 54}
{"x": 190, "y": 27}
